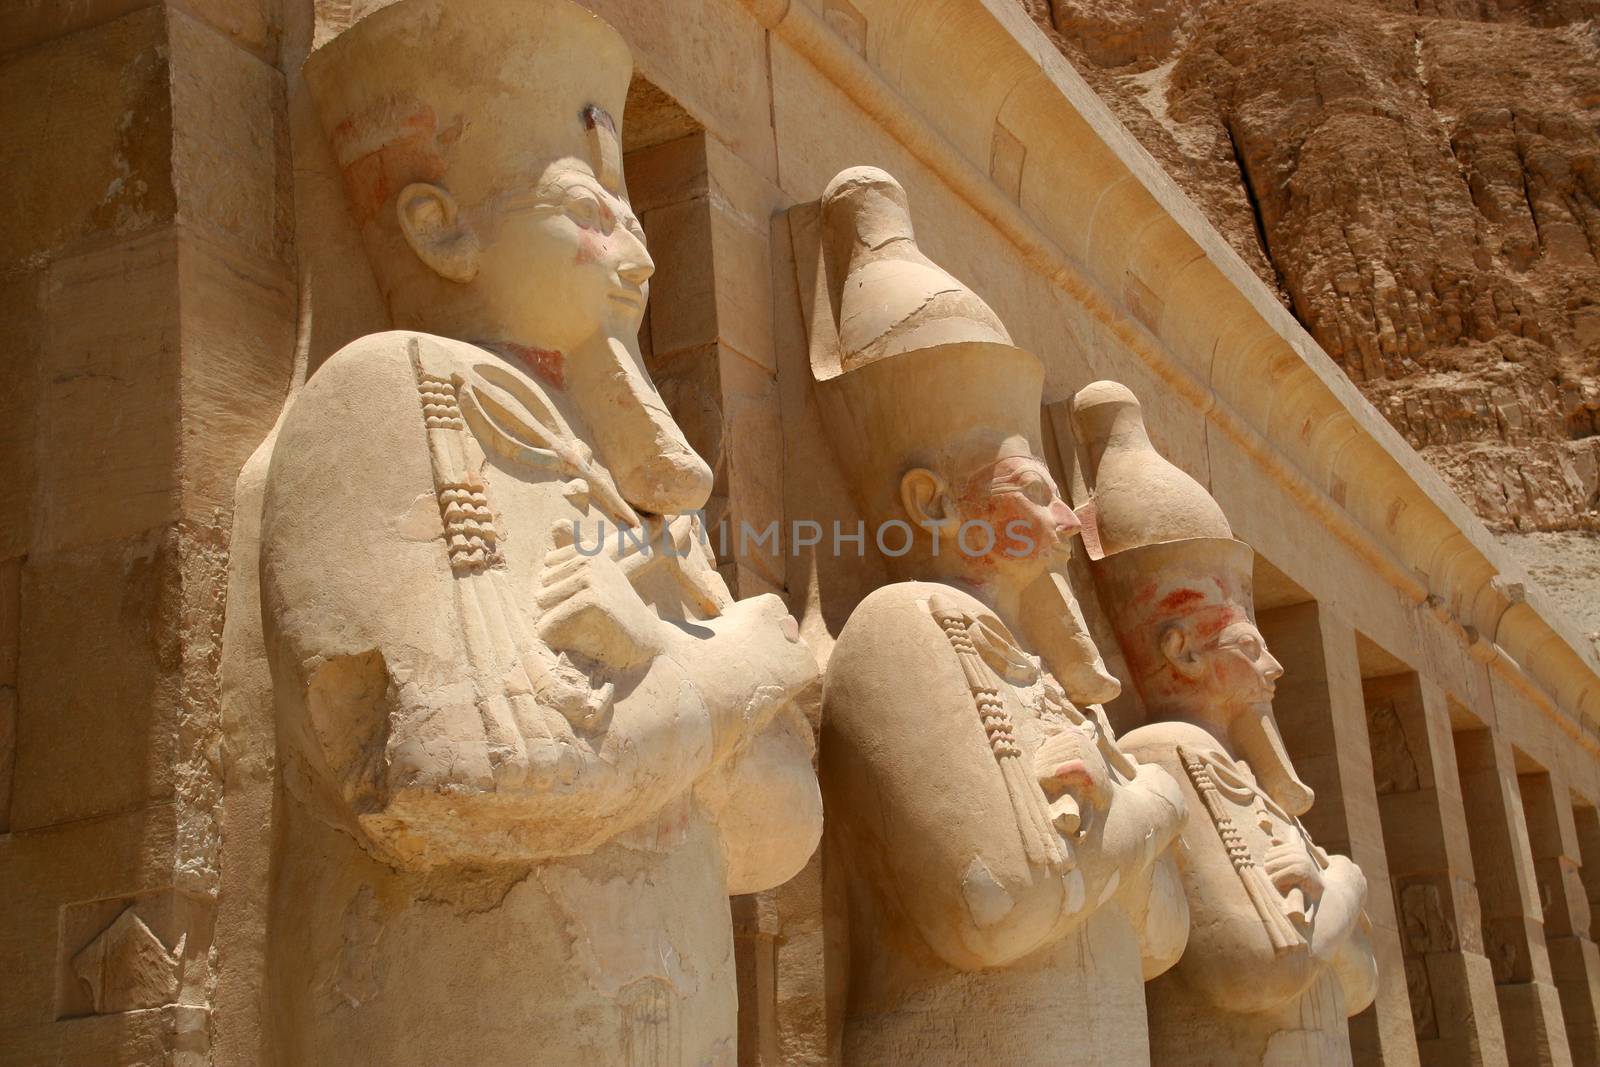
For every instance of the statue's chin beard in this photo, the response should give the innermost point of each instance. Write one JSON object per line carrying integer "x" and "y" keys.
{"x": 634, "y": 435}
{"x": 1255, "y": 737}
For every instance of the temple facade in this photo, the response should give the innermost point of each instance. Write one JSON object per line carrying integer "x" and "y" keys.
{"x": 472, "y": 581}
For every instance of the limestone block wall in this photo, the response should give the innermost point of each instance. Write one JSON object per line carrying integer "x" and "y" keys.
{"x": 178, "y": 256}
{"x": 149, "y": 298}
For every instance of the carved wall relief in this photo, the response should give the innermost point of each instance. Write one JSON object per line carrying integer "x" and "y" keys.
{"x": 121, "y": 954}
{"x": 126, "y": 967}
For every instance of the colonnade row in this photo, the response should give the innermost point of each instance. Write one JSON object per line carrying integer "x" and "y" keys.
{"x": 1474, "y": 850}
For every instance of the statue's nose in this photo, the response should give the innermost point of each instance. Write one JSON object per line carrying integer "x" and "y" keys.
{"x": 636, "y": 266}
{"x": 635, "y": 272}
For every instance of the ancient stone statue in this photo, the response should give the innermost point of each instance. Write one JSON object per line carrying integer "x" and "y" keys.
{"x": 1009, "y": 883}
{"x": 519, "y": 778}
{"x": 1279, "y": 953}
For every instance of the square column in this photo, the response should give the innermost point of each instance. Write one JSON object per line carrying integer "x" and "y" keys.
{"x": 1451, "y": 984}
{"x": 1513, "y": 923}
{"x": 1574, "y": 962}
{"x": 1321, "y": 714}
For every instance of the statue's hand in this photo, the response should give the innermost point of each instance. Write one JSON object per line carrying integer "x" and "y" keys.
{"x": 590, "y": 609}
{"x": 775, "y": 637}
{"x": 746, "y": 664}
{"x": 1291, "y": 866}
{"x": 1074, "y": 777}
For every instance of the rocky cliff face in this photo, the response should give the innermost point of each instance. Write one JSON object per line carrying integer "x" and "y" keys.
{"x": 1420, "y": 183}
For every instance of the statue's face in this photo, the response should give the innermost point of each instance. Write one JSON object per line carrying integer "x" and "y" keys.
{"x": 1017, "y": 499}
{"x": 1231, "y": 666}
{"x": 565, "y": 261}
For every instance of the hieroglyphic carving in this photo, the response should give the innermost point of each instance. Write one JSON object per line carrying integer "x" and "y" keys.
{"x": 1425, "y": 925}
{"x": 126, "y": 967}
{"x": 1394, "y": 765}
{"x": 1419, "y": 991}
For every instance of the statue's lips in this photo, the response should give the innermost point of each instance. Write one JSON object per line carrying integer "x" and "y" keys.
{"x": 633, "y": 299}
{"x": 1061, "y": 540}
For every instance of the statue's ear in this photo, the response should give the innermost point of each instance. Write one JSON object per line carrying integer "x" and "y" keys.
{"x": 436, "y": 232}
{"x": 1180, "y": 651}
{"x": 928, "y": 502}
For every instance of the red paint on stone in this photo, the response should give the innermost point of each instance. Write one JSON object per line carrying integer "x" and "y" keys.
{"x": 1180, "y": 599}
{"x": 546, "y": 364}
{"x": 590, "y": 248}
{"x": 378, "y": 162}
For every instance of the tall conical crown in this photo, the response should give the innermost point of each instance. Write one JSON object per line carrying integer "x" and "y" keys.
{"x": 924, "y": 368}
{"x": 887, "y": 296}
{"x": 1139, "y": 498}
{"x": 1165, "y": 553}
{"x": 1153, "y": 532}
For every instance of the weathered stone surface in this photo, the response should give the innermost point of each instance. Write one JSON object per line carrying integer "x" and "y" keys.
{"x": 126, "y": 967}
{"x": 106, "y": 435}
{"x": 111, "y": 604}
{"x": 87, "y": 137}
{"x": 1418, "y": 184}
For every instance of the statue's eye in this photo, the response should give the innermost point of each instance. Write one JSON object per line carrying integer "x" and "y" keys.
{"x": 585, "y": 211}
{"x": 1037, "y": 490}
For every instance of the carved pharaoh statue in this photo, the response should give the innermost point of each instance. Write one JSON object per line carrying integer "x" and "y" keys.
{"x": 1009, "y": 881}
{"x": 517, "y": 781}
{"x": 1279, "y": 952}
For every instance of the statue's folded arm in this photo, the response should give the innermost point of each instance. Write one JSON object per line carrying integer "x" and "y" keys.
{"x": 929, "y": 803}
{"x": 417, "y": 695}
{"x": 1227, "y": 938}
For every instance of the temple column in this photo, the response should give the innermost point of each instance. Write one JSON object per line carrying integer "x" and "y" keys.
{"x": 1451, "y": 984}
{"x": 147, "y": 313}
{"x": 1586, "y": 827}
{"x": 1319, "y": 708}
{"x": 1513, "y": 925}
{"x": 1574, "y": 961}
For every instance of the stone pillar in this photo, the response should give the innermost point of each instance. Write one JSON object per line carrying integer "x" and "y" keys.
{"x": 709, "y": 347}
{"x": 10, "y": 640}
{"x": 1513, "y": 927}
{"x": 1574, "y": 961}
{"x": 1453, "y": 1005}
{"x": 708, "y": 338}
{"x": 755, "y": 943}
{"x": 1319, "y": 708}
{"x": 1586, "y": 827}
{"x": 147, "y": 310}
